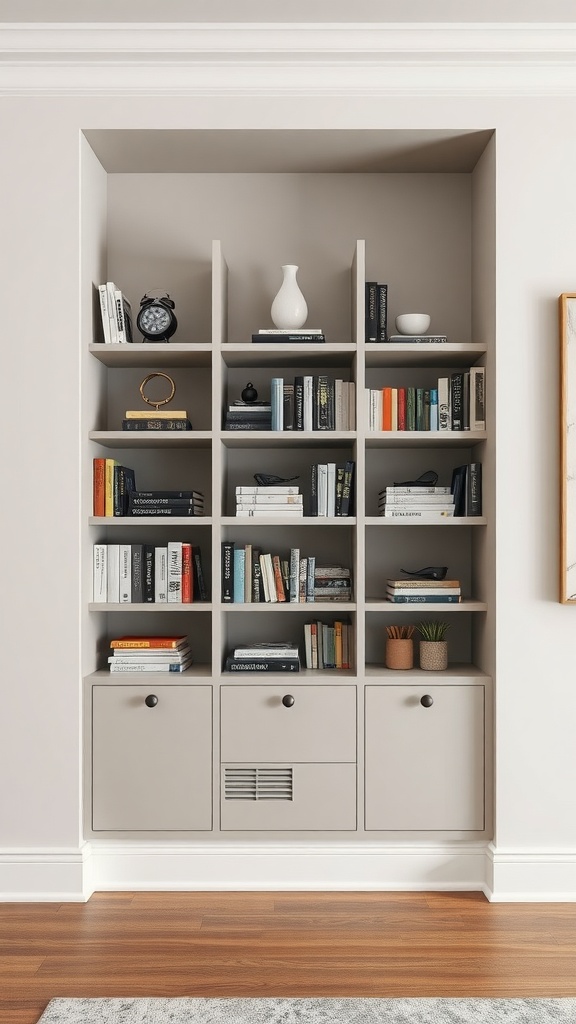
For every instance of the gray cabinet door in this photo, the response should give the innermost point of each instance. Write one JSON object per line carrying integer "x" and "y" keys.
{"x": 425, "y": 765}
{"x": 151, "y": 766}
{"x": 320, "y": 724}
{"x": 289, "y": 797}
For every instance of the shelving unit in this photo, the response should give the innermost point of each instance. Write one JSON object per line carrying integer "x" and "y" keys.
{"x": 210, "y": 374}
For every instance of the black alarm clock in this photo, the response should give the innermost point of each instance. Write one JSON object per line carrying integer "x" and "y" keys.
{"x": 156, "y": 320}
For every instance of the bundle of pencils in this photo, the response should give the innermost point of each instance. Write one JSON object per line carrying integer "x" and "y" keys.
{"x": 400, "y": 632}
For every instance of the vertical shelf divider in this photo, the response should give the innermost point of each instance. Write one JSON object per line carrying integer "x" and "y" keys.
{"x": 219, "y": 338}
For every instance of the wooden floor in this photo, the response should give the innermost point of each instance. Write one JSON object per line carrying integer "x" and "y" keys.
{"x": 284, "y": 944}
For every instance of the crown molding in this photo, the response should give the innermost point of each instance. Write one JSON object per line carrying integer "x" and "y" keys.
{"x": 350, "y": 59}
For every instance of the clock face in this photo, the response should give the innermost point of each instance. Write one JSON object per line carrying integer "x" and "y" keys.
{"x": 154, "y": 320}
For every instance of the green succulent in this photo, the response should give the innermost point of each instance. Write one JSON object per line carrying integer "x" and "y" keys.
{"x": 433, "y": 631}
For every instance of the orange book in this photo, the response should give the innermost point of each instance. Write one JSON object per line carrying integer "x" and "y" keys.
{"x": 109, "y": 486}
{"x": 144, "y": 642}
{"x": 386, "y": 408}
{"x": 401, "y": 408}
{"x": 187, "y": 584}
{"x": 278, "y": 578}
{"x": 98, "y": 487}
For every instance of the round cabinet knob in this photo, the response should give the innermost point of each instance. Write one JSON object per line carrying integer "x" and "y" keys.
{"x": 288, "y": 700}
{"x": 426, "y": 701}
{"x": 151, "y": 700}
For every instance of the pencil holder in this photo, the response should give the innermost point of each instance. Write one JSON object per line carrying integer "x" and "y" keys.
{"x": 399, "y": 654}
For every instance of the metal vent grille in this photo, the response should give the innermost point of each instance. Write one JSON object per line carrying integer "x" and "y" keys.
{"x": 254, "y": 783}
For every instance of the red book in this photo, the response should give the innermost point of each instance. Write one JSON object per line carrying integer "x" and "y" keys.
{"x": 401, "y": 408}
{"x": 386, "y": 408}
{"x": 187, "y": 584}
{"x": 99, "y": 487}
{"x": 278, "y": 578}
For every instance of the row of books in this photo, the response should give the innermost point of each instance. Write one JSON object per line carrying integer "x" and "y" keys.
{"x": 462, "y": 499}
{"x": 150, "y": 654}
{"x": 114, "y": 494}
{"x": 148, "y": 574}
{"x": 274, "y": 501}
{"x": 332, "y": 489}
{"x": 329, "y": 645}
{"x": 250, "y": 576}
{"x": 457, "y": 403}
{"x": 116, "y": 314}
{"x": 423, "y": 591}
{"x": 306, "y": 403}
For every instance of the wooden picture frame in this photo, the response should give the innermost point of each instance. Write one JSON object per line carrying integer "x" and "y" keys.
{"x": 568, "y": 448}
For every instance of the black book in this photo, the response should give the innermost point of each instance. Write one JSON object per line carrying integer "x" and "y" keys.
{"x": 137, "y": 573}
{"x": 339, "y": 489}
{"x": 248, "y": 424}
{"x": 262, "y": 665}
{"x": 420, "y": 409}
{"x": 320, "y": 415}
{"x": 288, "y": 339}
{"x": 227, "y": 571}
{"x": 458, "y": 489}
{"x": 382, "y": 312}
{"x": 198, "y": 574}
{"x": 298, "y": 403}
{"x": 371, "y": 311}
{"x": 457, "y": 400}
{"x": 168, "y": 502}
{"x": 148, "y": 574}
{"x": 164, "y": 510}
{"x": 347, "y": 505}
{"x": 288, "y": 406}
{"x": 257, "y": 594}
{"x": 473, "y": 505}
{"x": 152, "y": 424}
{"x": 237, "y": 416}
{"x": 313, "y": 490}
{"x": 466, "y": 400}
{"x": 426, "y": 401}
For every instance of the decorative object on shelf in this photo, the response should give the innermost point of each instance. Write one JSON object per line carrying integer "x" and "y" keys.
{"x": 399, "y": 647}
{"x": 269, "y": 480}
{"x": 431, "y": 572}
{"x": 427, "y": 479}
{"x": 156, "y": 319}
{"x": 249, "y": 394}
{"x": 568, "y": 448}
{"x": 173, "y": 419}
{"x": 289, "y": 309}
{"x": 433, "y": 646}
{"x": 412, "y": 323}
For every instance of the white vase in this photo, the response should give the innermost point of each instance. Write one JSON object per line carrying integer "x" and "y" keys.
{"x": 289, "y": 309}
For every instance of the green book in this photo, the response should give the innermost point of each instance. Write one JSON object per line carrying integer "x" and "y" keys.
{"x": 410, "y": 408}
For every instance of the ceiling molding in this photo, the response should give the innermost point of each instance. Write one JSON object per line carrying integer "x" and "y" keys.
{"x": 351, "y": 59}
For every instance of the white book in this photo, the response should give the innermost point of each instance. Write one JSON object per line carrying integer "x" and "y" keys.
{"x": 277, "y": 402}
{"x": 418, "y": 506}
{"x": 276, "y": 506}
{"x": 123, "y": 313}
{"x": 417, "y": 514}
{"x": 129, "y": 657}
{"x": 307, "y": 403}
{"x": 292, "y": 511}
{"x": 411, "y": 591}
{"x": 111, "y": 294}
{"x": 331, "y": 489}
{"x": 268, "y": 569}
{"x": 340, "y": 419}
{"x": 291, "y": 330}
{"x": 414, "y": 490}
{"x": 125, "y": 573}
{"x": 322, "y": 489}
{"x": 308, "y": 643}
{"x": 293, "y": 590}
{"x": 113, "y": 584}
{"x": 477, "y": 398}
{"x": 100, "y": 574}
{"x": 103, "y": 296}
{"x": 283, "y": 489}
{"x": 264, "y": 651}
{"x": 269, "y": 499}
{"x": 144, "y": 666}
{"x": 417, "y": 499}
{"x": 174, "y": 571}
{"x": 444, "y": 410}
{"x": 161, "y": 575}
{"x": 351, "y": 406}
{"x": 264, "y": 578}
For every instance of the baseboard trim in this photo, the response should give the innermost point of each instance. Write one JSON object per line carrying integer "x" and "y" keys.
{"x": 530, "y": 875}
{"x": 44, "y": 875}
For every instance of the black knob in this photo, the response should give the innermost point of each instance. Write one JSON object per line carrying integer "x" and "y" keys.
{"x": 426, "y": 701}
{"x": 288, "y": 700}
{"x": 151, "y": 700}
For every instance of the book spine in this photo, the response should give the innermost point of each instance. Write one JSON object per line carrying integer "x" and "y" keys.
{"x": 137, "y": 577}
{"x": 302, "y": 578}
{"x": 227, "y": 571}
{"x": 430, "y": 514}
{"x": 314, "y": 490}
{"x": 323, "y": 404}
{"x": 466, "y": 400}
{"x": 157, "y": 643}
{"x": 162, "y": 666}
{"x": 382, "y": 312}
{"x": 346, "y": 508}
{"x": 136, "y": 502}
{"x": 103, "y": 298}
{"x": 238, "y": 575}
{"x": 262, "y": 665}
{"x": 420, "y": 409}
{"x": 109, "y": 487}
{"x": 174, "y": 572}
{"x": 164, "y": 510}
{"x": 410, "y": 408}
{"x": 278, "y": 581}
{"x": 371, "y": 311}
{"x": 248, "y": 555}
{"x": 425, "y": 599}
{"x": 138, "y": 497}
{"x": 459, "y": 490}
{"x": 110, "y": 299}
{"x": 299, "y": 403}
{"x": 415, "y": 489}
{"x": 310, "y": 569}
{"x": 257, "y": 586}
{"x": 148, "y": 584}
{"x": 98, "y": 487}
{"x": 154, "y": 424}
{"x": 248, "y": 425}
{"x": 199, "y": 583}
{"x": 119, "y": 314}
{"x": 433, "y": 408}
{"x": 277, "y": 402}
{"x": 288, "y": 413}
{"x": 426, "y": 408}
{"x": 474, "y": 489}
{"x": 270, "y": 592}
{"x": 100, "y": 574}
{"x": 113, "y": 577}
{"x": 457, "y": 400}
{"x": 401, "y": 408}
{"x": 290, "y": 339}
{"x": 125, "y": 573}
{"x": 308, "y": 403}
{"x": 187, "y": 584}
{"x": 478, "y": 398}
{"x": 161, "y": 575}
{"x": 289, "y": 489}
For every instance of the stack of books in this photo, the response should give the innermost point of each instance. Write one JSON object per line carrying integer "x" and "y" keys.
{"x": 332, "y": 583}
{"x": 423, "y": 591}
{"x": 155, "y": 419}
{"x": 431, "y": 504}
{"x": 148, "y": 574}
{"x": 150, "y": 654}
{"x": 265, "y": 657}
{"x": 248, "y": 416}
{"x": 165, "y": 503}
{"x": 331, "y": 489}
{"x": 304, "y": 335}
{"x": 329, "y": 645}
{"x": 276, "y": 501}
{"x": 116, "y": 314}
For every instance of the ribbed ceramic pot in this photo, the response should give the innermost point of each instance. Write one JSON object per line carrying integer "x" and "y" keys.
{"x": 289, "y": 309}
{"x": 399, "y": 654}
{"x": 434, "y": 655}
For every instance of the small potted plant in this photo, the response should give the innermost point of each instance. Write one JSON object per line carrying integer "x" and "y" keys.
{"x": 399, "y": 647}
{"x": 433, "y": 645}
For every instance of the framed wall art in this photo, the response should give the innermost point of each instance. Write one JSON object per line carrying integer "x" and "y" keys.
{"x": 568, "y": 448}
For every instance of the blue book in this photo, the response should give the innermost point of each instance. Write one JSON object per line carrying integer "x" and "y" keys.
{"x": 433, "y": 408}
{"x": 277, "y": 402}
{"x": 239, "y": 564}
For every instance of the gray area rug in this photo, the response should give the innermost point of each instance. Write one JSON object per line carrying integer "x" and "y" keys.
{"x": 310, "y": 1011}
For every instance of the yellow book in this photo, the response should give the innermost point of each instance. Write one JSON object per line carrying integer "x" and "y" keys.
{"x": 153, "y": 414}
{"x": 338, "y": 644}
{"x": 109, "y": 486}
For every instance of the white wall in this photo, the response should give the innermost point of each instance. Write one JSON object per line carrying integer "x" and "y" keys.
{"x": 39, "y": 214}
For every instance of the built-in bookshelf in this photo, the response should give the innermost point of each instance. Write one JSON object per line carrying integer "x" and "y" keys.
{"x": 211, "y": 366}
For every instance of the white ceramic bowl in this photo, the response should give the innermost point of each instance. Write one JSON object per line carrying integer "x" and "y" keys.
{"x": 412, "y": 323}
